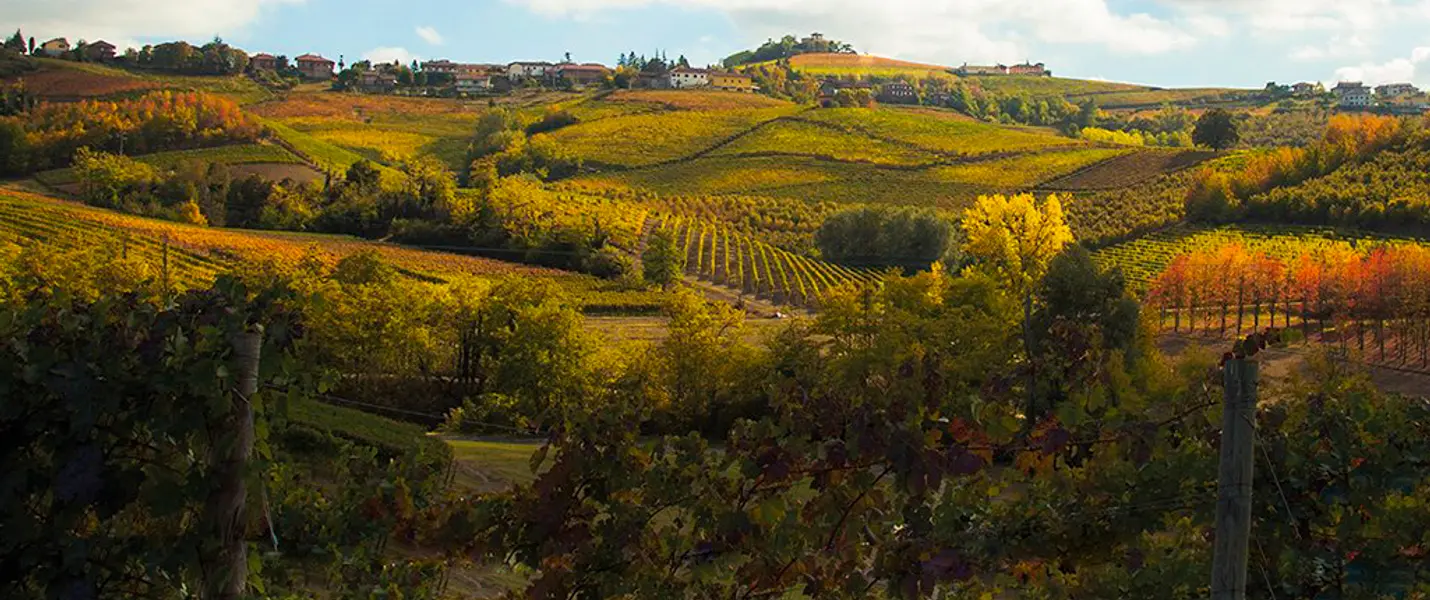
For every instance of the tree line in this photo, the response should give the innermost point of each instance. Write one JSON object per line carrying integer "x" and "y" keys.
{"x": 49, "y": 135}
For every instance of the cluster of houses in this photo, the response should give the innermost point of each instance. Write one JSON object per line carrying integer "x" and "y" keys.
{"x": 1027, "y": 68}
{"x": 98, "y": 51}
{"x": 1396, "y": 98}
{"x": 475, "y": 78}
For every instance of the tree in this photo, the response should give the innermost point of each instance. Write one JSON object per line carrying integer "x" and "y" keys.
{"x": 32, "y": 45}
{"x": 1013, "y": 239}
{"x": 1216, "y": 129}
{"x": 16, "y": 42}
{"x": 663, "y": 260}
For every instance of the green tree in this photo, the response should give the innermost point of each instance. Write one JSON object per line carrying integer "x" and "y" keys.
{"x": 1216, "y": 129}
{"x": 663, "y": 260}
{"x": 16, "y": 42}
{"x": 365, "y": 267}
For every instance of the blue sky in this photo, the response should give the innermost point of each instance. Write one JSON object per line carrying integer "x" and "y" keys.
{"x": 1242, "y": 43}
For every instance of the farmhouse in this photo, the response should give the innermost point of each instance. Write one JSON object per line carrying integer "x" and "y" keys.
{"x": 469, "y": 82}
{"x": 1352, "y": 94}
{"x": 440, "y": 66}
{"x": 314, "y": 66}
{"x": 1392, "y": 90}
{"x": 1037, "y": 70}
{"x": 263, "y": 62}
{"x": 685, "y": 77}
{"x": 55, "y": 47}
{"x": 968, "y": 69}
{"x": 732, "y": 82}
{"x": 377, "y": 81}
{"x": 1307, "y": 89}
{"x": 100, "y": 51}
{"x": 521, "y": 70}
{"x": 898, "y": 92}
{"x": 582, "y": 75}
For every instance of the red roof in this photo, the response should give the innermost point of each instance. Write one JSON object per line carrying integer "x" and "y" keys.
{"x": 263, "y": 56}
{"x": 312, "y": 58}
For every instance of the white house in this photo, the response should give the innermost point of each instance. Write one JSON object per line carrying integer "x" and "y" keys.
{"x": 472, "y": 81}
{"x": 522, "y": 70}
{"x": 55, "y": 47}
{"x": 685, "y": 77}
{"x": 1392, "y": 90}
{"x": 1352, "y": 94}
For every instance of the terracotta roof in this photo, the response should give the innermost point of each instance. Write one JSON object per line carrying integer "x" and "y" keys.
{"x": 100, "y": 44}
{"x": 690, "y": 70}
{"x": 263, "y": 55}
{"x": 584, "y": 68}
{"x": 312, "y": 58}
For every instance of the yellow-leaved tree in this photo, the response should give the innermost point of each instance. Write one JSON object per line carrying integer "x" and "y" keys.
{"x": 1013, "y": 239}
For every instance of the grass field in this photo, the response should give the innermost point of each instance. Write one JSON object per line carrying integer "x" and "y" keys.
{"x": 645, "y": 139}
{"x": 861, "y": 64}
{"x": 1143, "y": 259}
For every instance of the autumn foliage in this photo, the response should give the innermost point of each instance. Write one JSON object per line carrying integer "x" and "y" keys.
{"x": 1381, "y": 295}
{"x": 48, "y": 136}
{"x": 1216, "y": 195}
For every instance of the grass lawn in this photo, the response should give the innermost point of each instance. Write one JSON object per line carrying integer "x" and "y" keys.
{"x": 485, "y": 466}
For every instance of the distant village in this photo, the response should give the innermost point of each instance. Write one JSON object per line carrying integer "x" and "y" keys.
{"x": 443, "y": 76}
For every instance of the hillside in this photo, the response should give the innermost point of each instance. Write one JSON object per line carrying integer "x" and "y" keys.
{"x": 196, "y": 254}
{"x": 839, "y": 65}
{"x": 63, "y": 80}
{"x": 714, "y": 143}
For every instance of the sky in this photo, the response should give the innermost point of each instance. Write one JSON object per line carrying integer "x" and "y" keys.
{"x": 1168, "y": 43}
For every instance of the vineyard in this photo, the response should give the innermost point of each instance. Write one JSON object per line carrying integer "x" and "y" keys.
{"x": 196, "y": 254}
{"x": 795, "y": 178}
{"x": 645, "y": 139}
{"x": 809, "y": 139}
{"x": 1143, "y": 260}
{"x": 936, "y": 131}
{"x": 69, "y": 80}
{"x": 1049, "y": 86}
{"x": 717, "y": 253}
{"x": 1026, "y": 170}
{"x": 706, "y": 100}
{"x": 1130, "y": 169}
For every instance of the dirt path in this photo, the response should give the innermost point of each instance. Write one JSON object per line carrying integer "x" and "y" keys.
{"x": 1281, "y": 364}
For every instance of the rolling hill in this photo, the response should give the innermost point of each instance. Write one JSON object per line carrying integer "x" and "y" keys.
{"x": 861, "y": 64}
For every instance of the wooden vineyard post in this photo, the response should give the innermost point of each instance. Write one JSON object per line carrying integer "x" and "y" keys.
{"x": 1235, "y": 471}
{"x": 227, "y": 575}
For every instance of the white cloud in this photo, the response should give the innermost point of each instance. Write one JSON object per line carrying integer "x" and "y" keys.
{"x": 1397, "y": 70}
{"x": 936, "y": 30}
{"x": 125, "y": 20}
{"x": 387, "y": 54}
{"x": 430, "y": 35}
{"x": 1337, "y": 47}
